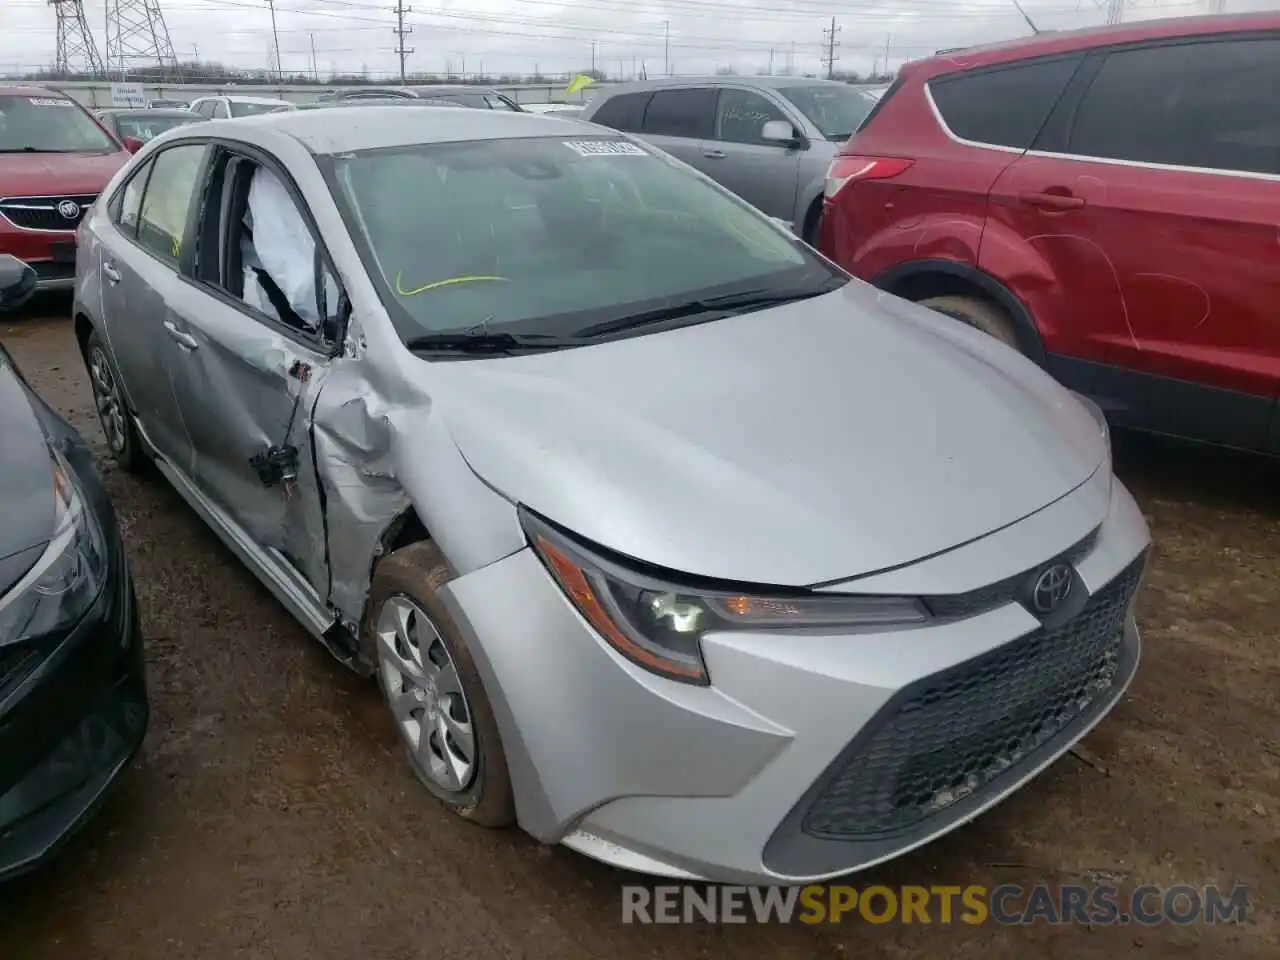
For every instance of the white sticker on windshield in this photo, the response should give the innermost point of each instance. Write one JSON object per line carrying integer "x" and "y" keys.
{"x": 49, "y": 101}
{"x": 605, "y": 148}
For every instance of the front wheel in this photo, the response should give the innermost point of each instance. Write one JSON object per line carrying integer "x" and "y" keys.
{"x": 431, "y": 684}
{"x": 979, "y": 314}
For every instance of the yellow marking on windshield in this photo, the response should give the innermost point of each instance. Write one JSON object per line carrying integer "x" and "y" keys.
{"x": 439, "y": 283}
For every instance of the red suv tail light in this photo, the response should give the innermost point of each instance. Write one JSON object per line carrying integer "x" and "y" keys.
{"x": 846, "y": 169}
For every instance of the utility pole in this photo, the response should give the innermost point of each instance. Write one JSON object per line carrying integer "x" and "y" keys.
{"x": 771, "y": 61}
{"x": 887, "y": 40}
{"x": 830, "y": 58}
{"x": 666, "y": 48}
{"x": 1115, "y": 11}
{"x": 401, "y": 31}
{"x": 275, "y": 36}
{"x": 315, "y": 71}
{"x": 593, "y": 58}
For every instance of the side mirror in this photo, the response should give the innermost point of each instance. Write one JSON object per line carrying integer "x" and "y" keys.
{"x": 132, "y": 144}
{"x": 778, "y": 131}
{"x": 17, "y": 282}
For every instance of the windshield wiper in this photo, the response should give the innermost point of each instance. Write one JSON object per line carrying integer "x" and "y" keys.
{"x": 463, "y": 342}
{"x": 714, "y": 307}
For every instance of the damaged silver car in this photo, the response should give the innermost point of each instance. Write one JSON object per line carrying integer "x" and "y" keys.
{"x": 663, "y": 537}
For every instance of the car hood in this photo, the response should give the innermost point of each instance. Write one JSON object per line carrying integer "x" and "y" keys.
{"x": 812, "y": 442}
{"x": 26, "y": 480}
{"x": 57, "y": 174}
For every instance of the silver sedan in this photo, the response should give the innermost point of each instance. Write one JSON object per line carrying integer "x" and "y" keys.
{"x": 664, "y": 538}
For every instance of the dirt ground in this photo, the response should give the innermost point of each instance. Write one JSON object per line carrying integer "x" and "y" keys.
{"x": 271, "y": 816}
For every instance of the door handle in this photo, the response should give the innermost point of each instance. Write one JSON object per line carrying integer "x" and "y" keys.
{"x": 110, "y": 272}
{"x": 184, "y": 339}
{"x": 1052, "y": 201}
{"x": 713, "y": 154}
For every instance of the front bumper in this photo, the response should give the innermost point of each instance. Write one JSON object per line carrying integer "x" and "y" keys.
{"x": 804, "y": 758}
{"x": 71, "y": 718}
{"x": 51, "y": 253}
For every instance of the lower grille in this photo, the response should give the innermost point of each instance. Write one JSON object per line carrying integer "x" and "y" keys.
{"x": 46, "y": 213}
{"x": 961, "y": 729}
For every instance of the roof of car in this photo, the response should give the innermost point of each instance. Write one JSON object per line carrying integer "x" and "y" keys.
{"x": 27, "y": 90}
{"x": 148, "y": 112}
{"x": 242, "y": 99}
{"x": 379, "y": 126}
{"x": 1070, "y": 41}
{"x": 772, "y": 82}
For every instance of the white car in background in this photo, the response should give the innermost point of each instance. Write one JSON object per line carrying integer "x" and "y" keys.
{"x": 221, "y": 108}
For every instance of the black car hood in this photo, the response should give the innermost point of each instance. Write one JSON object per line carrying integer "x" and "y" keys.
{"x": 26, "y": 480}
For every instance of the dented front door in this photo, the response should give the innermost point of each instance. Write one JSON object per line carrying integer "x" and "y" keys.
{"x": 246, "y": 392}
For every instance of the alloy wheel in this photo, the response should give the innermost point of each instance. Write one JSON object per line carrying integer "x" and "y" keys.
{"x": 425, "y": 694}
{"x": 106, "y": 395}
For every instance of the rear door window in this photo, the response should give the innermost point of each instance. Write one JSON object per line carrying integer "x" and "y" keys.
{"x": 685, "y": 112}
{"x": 623, "y": 112}
{"x": 1211, "y": 104}
{"x": 1003, "y": 107}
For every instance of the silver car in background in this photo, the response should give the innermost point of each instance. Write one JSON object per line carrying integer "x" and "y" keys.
{"x": 665, "y": 539}
{"x": 768, "y": 139}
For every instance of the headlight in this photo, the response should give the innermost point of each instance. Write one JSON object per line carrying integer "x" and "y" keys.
{"x": 659, "y": 624}
{"x": 67, "y": 578}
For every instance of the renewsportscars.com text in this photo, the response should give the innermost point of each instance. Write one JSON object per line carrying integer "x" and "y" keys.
{"x": 1007, "y": 904}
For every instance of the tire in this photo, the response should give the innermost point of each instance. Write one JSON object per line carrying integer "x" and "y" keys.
{"x": 408, "y": 580}
{"x": 812, "y": 223}
{"x": 114, "y": 416}
{"x": 979, "y": 314}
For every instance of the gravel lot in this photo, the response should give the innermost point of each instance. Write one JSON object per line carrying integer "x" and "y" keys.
{"x": 270, "y": 814}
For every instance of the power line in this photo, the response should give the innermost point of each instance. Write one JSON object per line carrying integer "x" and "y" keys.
{"x": 401, "y": 31}
{"x": 829, "y": 58}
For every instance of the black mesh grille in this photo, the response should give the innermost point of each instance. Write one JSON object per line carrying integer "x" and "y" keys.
{"x": 41, "y": 213}
{"x": 957, "y": 605}
{"x": 963, "y": 728}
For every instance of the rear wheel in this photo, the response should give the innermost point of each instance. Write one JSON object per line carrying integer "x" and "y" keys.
{"x": 979, "y": 314}
{"x": 434, "y": 691}
{"x": 113, "y": 411}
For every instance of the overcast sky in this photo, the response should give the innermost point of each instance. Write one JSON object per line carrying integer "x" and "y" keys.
{"x": 555, "y": 36}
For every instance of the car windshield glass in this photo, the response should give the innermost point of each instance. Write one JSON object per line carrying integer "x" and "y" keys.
{"x": 49, "y": 125}
{"x": 240, "y": 108}
{"x": 557, "y": 236}
{"x": 145, "y": 127}
{"x": 835, "y": 110}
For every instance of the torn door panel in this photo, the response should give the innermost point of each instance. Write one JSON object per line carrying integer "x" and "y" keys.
{"x": 371, "y": 452}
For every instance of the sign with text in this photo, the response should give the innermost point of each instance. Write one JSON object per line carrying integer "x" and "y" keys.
{"x": 128, "y": 95}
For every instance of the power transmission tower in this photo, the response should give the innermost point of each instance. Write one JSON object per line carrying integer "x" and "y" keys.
{"x": 830, "y": 58}
{"x": 137, "y": 36}
{"x": 1115, "y": 11}
{"x": 76, "y": 50}
{"x": 275, "y": 38}
{"x": 401, "y": 31}
{"x": 1217, "y": 6}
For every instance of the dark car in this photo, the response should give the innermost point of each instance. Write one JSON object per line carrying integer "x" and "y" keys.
{"x": 144, "y": 124}
{"x": 73, "y": 700}
{"x": 1104, "y": 201}
{"x": 165, "y": 104}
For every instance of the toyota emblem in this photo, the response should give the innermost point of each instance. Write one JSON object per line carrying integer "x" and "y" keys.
{"x": 1052, "y": 587}
{"x": 69, "y": 209}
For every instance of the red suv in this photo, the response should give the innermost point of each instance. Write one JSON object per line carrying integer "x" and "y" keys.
{"x": 1106, "y": 201}
{"x": 54, "y": 161}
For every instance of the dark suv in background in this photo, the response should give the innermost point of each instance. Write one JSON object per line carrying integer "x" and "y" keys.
{"x": 1106, "y": 201}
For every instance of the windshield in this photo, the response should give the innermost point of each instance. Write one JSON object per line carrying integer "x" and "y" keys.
{"x": 834, "y": 109}
{"x": 144, "y": 127}
{"x": 552, "y": 236}
{"x": 49, "y": 125}
{"x": 239, "y": 108}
